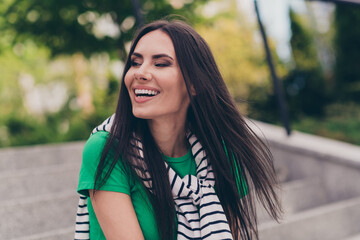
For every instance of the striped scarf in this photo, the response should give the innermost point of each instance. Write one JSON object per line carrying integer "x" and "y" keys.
{"x": 199, "y": 211}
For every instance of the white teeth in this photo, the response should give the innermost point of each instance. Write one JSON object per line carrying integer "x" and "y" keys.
{"x": 146, "y": 91}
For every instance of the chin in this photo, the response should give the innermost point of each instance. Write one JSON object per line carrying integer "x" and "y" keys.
{"x": 142, "y": 115}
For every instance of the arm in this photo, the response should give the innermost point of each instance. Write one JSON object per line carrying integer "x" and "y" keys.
{"x": 116, "y": 215}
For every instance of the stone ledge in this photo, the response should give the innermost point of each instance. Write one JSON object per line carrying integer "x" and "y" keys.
{"x": 64, "y": 233}
{"x": 16, "y": 158}
{"x": 306, "y": 144}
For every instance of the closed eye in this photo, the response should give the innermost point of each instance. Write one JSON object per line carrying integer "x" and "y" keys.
{"x": 162, "y": 64}
{"x": 134, "y": 63}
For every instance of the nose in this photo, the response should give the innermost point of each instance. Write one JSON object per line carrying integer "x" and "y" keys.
{"x": 143, "y": 73}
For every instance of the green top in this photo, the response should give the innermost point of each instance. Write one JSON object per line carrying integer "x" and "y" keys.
{"x": 120, "y": 181}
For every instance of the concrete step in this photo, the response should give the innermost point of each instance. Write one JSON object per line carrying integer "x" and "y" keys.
{"x": 41, "y": 155}
{"x": 34, "y": 215}
{"x": 35, "y": 181}
{"x": 58, "y": 234}
{"x": 331, "y": 222}
{"x": 353, "y": 237}
{"x": 303, "y": 194}
{"x": 298, "y": 195}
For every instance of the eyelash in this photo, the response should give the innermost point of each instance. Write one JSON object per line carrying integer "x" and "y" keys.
{"x": 135, "y": 64}
{"x": 162, "y": 64}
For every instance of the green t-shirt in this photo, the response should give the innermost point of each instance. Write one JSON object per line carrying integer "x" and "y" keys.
{"x": 120, "y": 181}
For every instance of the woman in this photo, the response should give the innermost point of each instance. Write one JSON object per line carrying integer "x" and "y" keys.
{"x": 177, "y": 158}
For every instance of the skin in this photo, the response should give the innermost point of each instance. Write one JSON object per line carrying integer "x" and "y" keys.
{"x": 154, "y": 67}
{"x": 166, "y": 112}
{"x": 116, "y": 215}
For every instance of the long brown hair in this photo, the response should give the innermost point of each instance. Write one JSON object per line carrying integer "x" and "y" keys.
{"x": 215, "y": 120}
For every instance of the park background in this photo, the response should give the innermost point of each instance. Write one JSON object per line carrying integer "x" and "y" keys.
{"x": 61, "y": 62}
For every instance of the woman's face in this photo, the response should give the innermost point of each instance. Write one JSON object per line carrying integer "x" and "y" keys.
{"x": 156, "y": 86}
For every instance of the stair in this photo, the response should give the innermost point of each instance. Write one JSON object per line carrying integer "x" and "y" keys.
{"x": 40, "y": 156}
{"x": 298, "y": 195}
{"x": 37, "y": 181}
{"x": 310, "y": 213}
{"x": 27, "y": 216}
{"x": 320, "y": 186}
{"x": 354, "y": 237}
{"x": 332, "y": 221}
{"x": 38, "y": 198}
{"x": 58, "y": 234}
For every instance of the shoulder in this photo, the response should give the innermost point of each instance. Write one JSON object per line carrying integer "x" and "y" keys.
{"x": 97, "y": 138}
{"x": 95, "y": 144}
{"x": 118, "y": 178}
{"x": 105, "y": 125}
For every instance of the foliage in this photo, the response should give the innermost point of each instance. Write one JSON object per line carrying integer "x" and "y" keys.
{"x": 15, "y": 63}
{"x": 304, "y": 85}
{"x": 61, "y": 42}
{"x": 60, "y": 45}
{"x": 302, "y": 44}
{"x": 66, "y": 125}
{"x": 315, "y": 105}
{"x": 239, "y": 57}
{"x": 347, "y": 47}
{"x": 341, "y": 122}
{"x": 23, "y": 130}
{"x": 306, "y": 94}
{"x": 23, "y": 75}
{"x": 58, "y": 127}
{"x": 262, "y": 104}
{"x": 83, "y": 26}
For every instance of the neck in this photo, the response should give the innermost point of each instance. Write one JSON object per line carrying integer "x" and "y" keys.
{"x": 170, "y": 137}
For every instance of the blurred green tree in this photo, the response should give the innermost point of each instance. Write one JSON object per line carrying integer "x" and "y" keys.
{"x": 304, "y": 85}
{"x": 86, "y": 26}
{"x": 77, "y": 44}
{"x": 239, "y": 57}
{"x": 347, "y": 51}
{"x": 241, "y": 62}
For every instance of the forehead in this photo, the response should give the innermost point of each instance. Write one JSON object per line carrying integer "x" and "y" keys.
{"x": 155, "y": 42}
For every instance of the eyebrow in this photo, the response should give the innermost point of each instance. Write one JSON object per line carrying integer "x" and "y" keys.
{"x": 156, "y": 56}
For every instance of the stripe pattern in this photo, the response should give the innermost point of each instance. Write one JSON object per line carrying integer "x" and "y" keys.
{"x": 82, "y": 227}
{"x": 198, "y": 208}
{"x": 199, "y": 211}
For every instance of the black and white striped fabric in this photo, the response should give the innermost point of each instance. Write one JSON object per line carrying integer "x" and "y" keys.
{"x": 82, "y": 227}
{"x": 199, "y": 211}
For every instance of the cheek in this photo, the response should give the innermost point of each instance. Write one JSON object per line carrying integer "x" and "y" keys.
{"x": 182, "y": 87}
{"x": 127, "y": 81}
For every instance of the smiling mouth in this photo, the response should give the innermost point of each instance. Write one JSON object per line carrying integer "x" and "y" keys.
{"x": 145, "y": 93}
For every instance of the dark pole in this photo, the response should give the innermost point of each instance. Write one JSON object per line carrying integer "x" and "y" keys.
{"x": 137, "y": 12}
{"x": 277, "y": 86}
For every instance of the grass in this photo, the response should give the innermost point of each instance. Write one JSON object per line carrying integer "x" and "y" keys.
{"x": 341, "y": 122}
